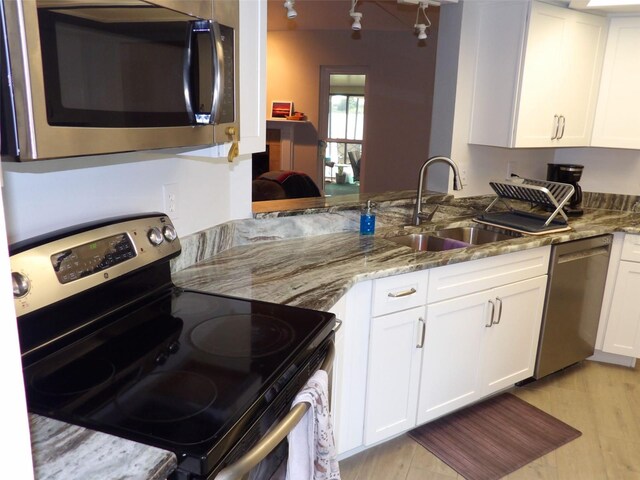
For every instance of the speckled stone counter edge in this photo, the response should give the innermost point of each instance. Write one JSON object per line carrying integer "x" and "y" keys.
{"x": 392, "y": 209}
{"x": 67, "y": 452}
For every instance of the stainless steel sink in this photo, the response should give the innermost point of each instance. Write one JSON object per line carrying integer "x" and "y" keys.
{"x": 474, "y": 235}
{"x": 426, "y": 242}
{"x": 451, "y": 238}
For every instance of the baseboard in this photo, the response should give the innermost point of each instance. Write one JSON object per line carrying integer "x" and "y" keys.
{"x": 600, "y": 356}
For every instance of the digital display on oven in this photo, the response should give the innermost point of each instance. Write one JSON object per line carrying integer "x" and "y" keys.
{"x": 92, "y": 257}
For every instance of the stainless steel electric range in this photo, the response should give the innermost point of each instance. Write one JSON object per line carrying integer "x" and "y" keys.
{"x": 109, "y": 343}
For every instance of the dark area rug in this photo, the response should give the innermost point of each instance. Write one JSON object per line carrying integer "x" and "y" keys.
{"x": 494, "y": 438}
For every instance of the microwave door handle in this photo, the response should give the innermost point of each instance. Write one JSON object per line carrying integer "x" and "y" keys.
{"x": 273, "y": 438}
{"x": 186, "y": 73}
{"x": 217, "y": 74}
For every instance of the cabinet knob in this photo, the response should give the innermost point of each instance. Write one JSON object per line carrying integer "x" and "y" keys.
{"x": 233, "y": 151}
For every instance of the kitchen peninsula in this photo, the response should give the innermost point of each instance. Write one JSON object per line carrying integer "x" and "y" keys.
{"x": 316, "y": 270}
{"x": 326, "y": 266}
{"x": 320, "y": 271}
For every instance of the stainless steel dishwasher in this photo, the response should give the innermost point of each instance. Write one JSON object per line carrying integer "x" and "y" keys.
{"x": 577, "y": 274}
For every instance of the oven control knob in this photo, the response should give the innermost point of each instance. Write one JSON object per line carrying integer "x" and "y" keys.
{"x": 21, "y": 284}
{"x": 174, "y": 347}
{"x": 155, "y": 236}
{"x": 161, "y": 358}
{"x": 169, "y": 233}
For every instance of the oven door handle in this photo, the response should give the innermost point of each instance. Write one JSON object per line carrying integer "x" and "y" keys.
{"x": 272, "y": 439}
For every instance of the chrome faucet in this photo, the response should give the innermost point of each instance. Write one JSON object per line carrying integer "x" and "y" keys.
{"x": 418, "y": 214}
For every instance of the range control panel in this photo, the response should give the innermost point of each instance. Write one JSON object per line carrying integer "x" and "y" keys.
{"x": 83, "y": 258}
{"x": 93, "y": 257}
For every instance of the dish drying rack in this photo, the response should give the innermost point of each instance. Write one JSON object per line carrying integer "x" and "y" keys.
{"x": 552, "y": 195}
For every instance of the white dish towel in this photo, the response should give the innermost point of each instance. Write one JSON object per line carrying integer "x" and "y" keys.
{"x": 312, "y": 453}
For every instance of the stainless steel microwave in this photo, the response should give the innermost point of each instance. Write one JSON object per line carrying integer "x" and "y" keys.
{"x": 84, "y": 77}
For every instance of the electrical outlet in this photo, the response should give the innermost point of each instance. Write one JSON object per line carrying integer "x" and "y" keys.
{"x": 463, "y": 177}
{"x": 170, "y": 195}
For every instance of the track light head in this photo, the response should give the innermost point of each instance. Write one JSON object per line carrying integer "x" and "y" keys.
{"x": 422, "y": 34}
{"x": 357, "y": 16}
{"x": 291, "y": 13}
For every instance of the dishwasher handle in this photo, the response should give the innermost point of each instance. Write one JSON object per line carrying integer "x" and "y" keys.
{"x": 279, "y": 432}
{"x": 583, "y": 254}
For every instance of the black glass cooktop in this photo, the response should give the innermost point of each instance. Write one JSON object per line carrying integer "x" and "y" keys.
{"x": 183, "y": 372}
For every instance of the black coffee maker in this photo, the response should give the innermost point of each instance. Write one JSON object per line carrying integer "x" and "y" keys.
{"x": 568, "y": 173}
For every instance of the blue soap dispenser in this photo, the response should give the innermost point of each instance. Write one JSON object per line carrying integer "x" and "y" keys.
{"x": 367, "y": 221}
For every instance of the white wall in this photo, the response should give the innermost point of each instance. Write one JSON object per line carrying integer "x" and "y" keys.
{"x": 14, "y": 434}
{"x": 606, "y": 170}
{"x": 43, "y": 196}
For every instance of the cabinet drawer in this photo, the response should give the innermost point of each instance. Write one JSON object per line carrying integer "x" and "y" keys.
{"x": 631, "y": 248}
{"x": 477, "y": 275}
{"x": 400, "y": 292}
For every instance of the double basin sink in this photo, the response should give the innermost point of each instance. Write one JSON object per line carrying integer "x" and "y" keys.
{"x": 452, "y": 238}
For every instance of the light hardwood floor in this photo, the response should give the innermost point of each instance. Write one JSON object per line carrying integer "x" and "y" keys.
{"x": 600, "y": 400}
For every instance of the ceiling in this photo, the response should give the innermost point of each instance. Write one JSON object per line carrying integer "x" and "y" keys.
{"x": 385, "y": 15}
{"x": 608, "y": 6}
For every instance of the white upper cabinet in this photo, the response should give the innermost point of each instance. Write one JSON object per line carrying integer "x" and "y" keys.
{"x": 252, "y": 85}
{"x": 537, "y": 74}
{"x": 617, "y": 122}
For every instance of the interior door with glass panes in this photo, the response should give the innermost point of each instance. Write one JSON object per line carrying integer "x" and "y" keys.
{"x": 342, "y": 120}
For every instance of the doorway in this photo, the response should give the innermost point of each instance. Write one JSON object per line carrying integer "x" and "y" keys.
{"x": 342, "y": 132}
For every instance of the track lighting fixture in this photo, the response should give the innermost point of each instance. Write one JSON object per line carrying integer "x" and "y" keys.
{"x": 356, "y": 16}
{"x": 291, "y": 13}
{"x": 422, "y": 27}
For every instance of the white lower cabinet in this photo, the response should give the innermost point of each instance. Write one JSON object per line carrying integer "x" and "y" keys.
{"x": 478, "y": 344}
{"x": 622, "y": 334}
{"x": 435, "y": 341}
{"x": 393, "y": 373}
{"x": 623, "y": 329}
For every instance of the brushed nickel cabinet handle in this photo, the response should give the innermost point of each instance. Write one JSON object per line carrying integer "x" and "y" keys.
{"x": 404, "y": 293}
{"x": 564, "y": 121}
{"x": 556, "y": 123}
{"x": 423, "y": 326}
{"x": 493, "y": 311}
{"x": 499, "y": 302}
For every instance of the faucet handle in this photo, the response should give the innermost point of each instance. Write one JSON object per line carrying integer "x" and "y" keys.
{"x": 428, "y": 216}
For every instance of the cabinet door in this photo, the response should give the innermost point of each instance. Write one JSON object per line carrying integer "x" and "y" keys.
{"x": 584, "y": 53}
{"x": 617, "y": 122}
{"x": 537, "y": 74}
{"x": 510, "y": 344}
{"x": 252, "y": 85}
{"x": 623, "y": 329}
{"x": 451, "y": 358}
{"x": 542, "y": 76}
{"x": 393, "y": 374}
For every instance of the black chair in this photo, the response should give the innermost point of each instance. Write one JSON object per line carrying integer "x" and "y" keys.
{"x": 355, "y": 164}
{"x": 291, "y": 184}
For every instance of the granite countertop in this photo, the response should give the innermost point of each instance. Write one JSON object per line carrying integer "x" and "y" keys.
{"x": 314, "y": 272}
{"x": 67, "y": 452}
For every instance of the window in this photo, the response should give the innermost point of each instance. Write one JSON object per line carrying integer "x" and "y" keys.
{"x": 346, "y": 119}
